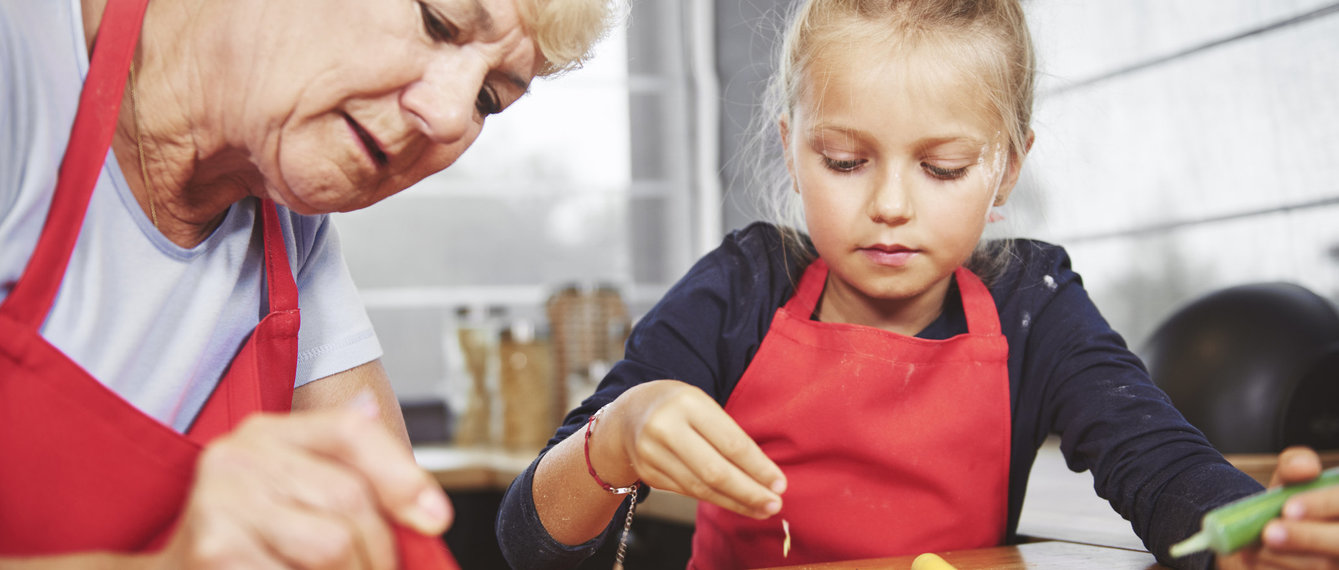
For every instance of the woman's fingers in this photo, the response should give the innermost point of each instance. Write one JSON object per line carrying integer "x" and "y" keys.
{"x": 359, "y": 442}
{"x": 307, "y": 490}
{"x": 346, "y": 530}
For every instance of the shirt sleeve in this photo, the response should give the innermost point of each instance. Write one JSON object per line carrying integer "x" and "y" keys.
{"x": 526, "y": 544}
{"x": 1155, "y": 469}
{"x": 336, "y": 333}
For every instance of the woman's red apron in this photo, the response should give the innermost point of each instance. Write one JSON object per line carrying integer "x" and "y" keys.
{"x": 81, "y": 469}
{"x": 891, "y": 445}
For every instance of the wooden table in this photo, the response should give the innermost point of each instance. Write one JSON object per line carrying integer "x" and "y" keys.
{"x": 1048, "y": 554}
{"x": 1071, "y": 526}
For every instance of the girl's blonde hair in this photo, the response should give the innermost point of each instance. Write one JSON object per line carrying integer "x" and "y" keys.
{"x": 987, "y": 38}
{"x": 566, "y": 30}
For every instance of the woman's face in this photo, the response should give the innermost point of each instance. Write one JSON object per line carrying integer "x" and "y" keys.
{"x": 897, "y": 166}
{"x": 346, "y": 102}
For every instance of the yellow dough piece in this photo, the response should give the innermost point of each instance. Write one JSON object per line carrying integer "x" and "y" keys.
{"x": 930, "y": 561}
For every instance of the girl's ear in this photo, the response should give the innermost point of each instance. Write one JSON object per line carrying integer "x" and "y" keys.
{"x": 1015, "y": 168}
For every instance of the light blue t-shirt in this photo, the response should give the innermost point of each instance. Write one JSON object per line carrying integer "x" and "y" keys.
{"x": 156, "y": 323}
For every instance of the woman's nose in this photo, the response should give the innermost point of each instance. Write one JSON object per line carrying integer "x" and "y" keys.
{"x": 890, "y": 200}
{"x": 442, "y": 102}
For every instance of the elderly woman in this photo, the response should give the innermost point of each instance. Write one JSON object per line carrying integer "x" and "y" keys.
{"x": 151, "y": 296}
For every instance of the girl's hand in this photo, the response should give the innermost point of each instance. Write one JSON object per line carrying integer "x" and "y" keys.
{"x": 315, "y": 489}
{"x": 1307, "y": 534}
{"x": 673, "y": 436}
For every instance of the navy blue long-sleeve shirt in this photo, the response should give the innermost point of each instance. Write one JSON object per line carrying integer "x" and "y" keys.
{"x": 1069, "y": 373}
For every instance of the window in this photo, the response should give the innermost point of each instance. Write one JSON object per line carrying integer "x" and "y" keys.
{"x": 587, "y": 180}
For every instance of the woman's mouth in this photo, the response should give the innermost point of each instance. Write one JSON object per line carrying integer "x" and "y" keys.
{"x": 369, "y": 143}
{"x": 888, "y": 255}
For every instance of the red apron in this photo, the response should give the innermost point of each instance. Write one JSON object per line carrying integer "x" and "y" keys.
{"x": 82, "y": 468}
{"x": 891, "y": 445}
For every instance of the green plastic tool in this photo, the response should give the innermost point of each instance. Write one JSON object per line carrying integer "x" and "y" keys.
{"x": 1239, "y": 523}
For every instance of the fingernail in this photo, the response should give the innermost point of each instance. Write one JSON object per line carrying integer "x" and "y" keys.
{"x": 1294, "y": 510}
{"x": 772, "y": 508}
{"x": 366, "y": 404}
{"x": 429, "y": 512}
{"x": 779, "y": 486}
{"x": 1275, "y": 534}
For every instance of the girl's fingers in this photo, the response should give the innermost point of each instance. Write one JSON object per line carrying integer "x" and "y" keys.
{"x": 678, "y": 478}
{"x": 1317, "y": 504}
{"x": 1303, "y": 537}
{"x": 1296, "y": 465}
{"x": 1273, "y": 558}
{"x": 699, "y": 470}
{"x": 733, "y": 443}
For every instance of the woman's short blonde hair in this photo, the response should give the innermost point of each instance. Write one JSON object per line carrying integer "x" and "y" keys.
{"x": 566, "y": 30}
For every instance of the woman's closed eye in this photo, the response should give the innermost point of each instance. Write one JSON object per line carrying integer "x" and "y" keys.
{"x": 437, "y": 27}
{"x": 843, "y": 165}
{"x": 944, "y": 173}
{"x": 487, "y": 103}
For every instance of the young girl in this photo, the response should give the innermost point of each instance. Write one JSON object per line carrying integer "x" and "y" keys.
{"x": 880, "y": 382}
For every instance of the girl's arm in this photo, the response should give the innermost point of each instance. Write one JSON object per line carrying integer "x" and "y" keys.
{"x": 670, "y": 434}
{"x": 667, "y": 434}
{"x": 1081, "y": 381}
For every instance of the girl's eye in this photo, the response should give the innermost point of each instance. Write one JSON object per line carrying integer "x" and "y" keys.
{"x": 944, "y": 173}
{"x": 843, "y": 165}
{"x": 437, "y": 27}
{"x": 487, "y": 103}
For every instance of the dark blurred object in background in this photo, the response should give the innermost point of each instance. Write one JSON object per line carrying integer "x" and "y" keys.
{"x": 1256, "y": 367}
{"x": 427, "y": 421}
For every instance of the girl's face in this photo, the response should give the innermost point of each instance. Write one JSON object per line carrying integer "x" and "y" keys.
{"x": 359, "y": 99}
{"x": 897, "y": 165}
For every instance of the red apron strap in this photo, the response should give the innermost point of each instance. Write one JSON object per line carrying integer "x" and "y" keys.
{"x": 978, "y": 304}
{"x": 809, "y": 289}
{"x": 94, "y": 124}
{"x": 278, "y": 276}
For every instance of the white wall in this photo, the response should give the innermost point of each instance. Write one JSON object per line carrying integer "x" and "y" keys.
{"x": 1185, "y": 146}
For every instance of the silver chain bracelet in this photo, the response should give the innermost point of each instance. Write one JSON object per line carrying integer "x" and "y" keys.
{"x": 627, "y": 526}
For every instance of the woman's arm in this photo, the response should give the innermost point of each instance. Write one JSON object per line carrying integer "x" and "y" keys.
{"x": 342, "y": 389}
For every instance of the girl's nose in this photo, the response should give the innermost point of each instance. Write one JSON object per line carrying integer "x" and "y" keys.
{"x": 890, "y": 200}
{"x": 442, "y": 102}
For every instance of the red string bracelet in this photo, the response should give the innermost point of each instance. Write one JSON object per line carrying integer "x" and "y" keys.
{"x": 590, "y": 426}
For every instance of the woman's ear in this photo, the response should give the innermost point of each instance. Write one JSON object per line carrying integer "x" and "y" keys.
{"x": 1015, "y": 167}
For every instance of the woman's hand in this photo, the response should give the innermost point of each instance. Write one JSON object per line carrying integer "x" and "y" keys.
{"x": 1307, "y": 534}
{"x": 673, "y": 436}
{"x": 316, "y": 489}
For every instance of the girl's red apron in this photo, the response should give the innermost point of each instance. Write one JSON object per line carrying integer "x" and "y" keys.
{"x": 891, "y": 445}
{"x": 81, "y": 469}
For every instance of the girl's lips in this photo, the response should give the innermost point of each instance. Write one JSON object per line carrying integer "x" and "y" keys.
{"x": 369, "y": 143}
{"x": 895, "y": 256}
